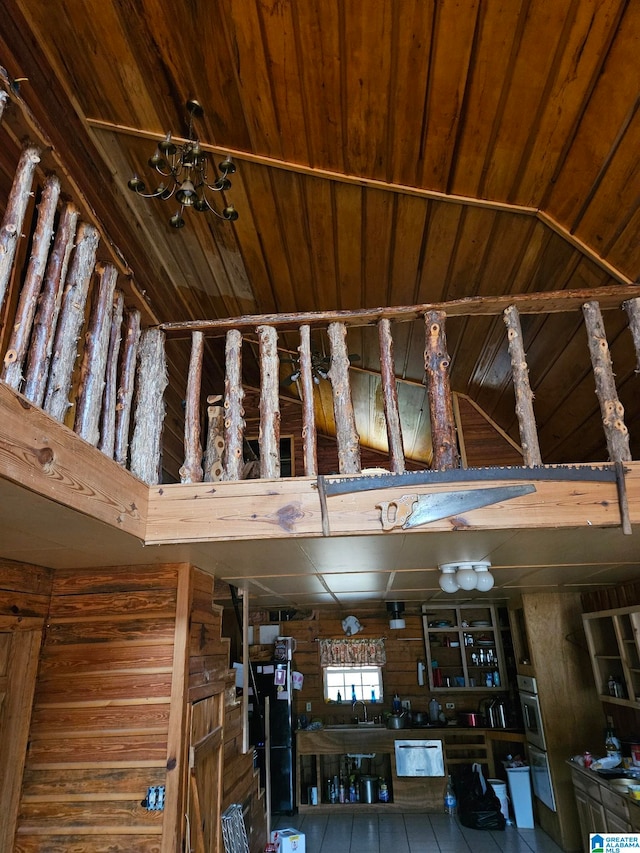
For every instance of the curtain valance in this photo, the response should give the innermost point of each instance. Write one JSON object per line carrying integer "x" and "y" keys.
{"x": 358, "y": 652}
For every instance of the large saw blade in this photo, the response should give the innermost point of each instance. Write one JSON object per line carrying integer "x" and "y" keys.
{"x": 428, "y": 508}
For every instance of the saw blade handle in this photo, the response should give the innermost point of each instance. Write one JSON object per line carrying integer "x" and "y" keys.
{"x": 395, "y": 513}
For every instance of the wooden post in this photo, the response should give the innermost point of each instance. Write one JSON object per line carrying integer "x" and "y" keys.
{"x": 94, "y": 357}
{"x": 346, "y": 432}
{"x": 612, "y": 410}
{"x": 191, "y": 470}
{"x": 46, "y": 318}
{"x": 25, "y": 312}
{"x": 213, "y": 468}
{"x": 11, "y": 227}
{"x": 109, "y": 401}
{"x": 309, "y": 433}
{"x": 146, "y": 444}
{"x": 234, "y": 413}
{"x": 65, "y": 348}
{"x": 632, "y": 307}
{"x": 436, "y": 362}
{"x": 126, "y": 386}
{"x": 269, "y": 433}
{"x": 522, "y": 388}
{"x": 390, "y": 397}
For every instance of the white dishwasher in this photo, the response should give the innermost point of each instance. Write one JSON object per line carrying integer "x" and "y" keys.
{"x": 419, "y": 758}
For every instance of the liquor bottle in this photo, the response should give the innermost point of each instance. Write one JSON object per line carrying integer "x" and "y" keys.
{"x": 450, "y": 802}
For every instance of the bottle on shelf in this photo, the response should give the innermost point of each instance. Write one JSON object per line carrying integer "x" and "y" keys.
{"x": 373, "y": 695}
{"x": 354, "y": 698}
{"x": 339, "y": 698}
{"x": 383, "y": 792}
{"x": 450, "y": 801}
{"x": 611, "y": 742}
{"x": 396, "y": 705}
{"x": 434, "y": 711}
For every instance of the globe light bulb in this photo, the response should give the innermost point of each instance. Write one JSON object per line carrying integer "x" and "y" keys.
{"x": 467, "y": 578}
{"x": 447, "y": 579}
{"x": 484, "y": 578}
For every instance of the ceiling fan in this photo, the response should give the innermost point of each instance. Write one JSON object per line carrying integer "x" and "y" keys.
{"x": 320, "y": 365}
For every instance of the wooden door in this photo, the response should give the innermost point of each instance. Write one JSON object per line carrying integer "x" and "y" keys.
{"x": 19, "y": 650}
{"x": 205, "y": 784}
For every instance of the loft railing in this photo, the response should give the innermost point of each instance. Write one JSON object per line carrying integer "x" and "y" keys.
{"x": 46, "y": 306}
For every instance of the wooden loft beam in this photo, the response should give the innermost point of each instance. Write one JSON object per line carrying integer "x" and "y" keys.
{"x": 552, "y": 302}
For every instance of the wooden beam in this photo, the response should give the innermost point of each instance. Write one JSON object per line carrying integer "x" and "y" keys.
{"x": 126, "y": 386}
{"x": 338, "y": 373}
{"x": 110, "y": 401}
{"x": 191, "y": 470}
{"x": 51, "y": 460}
{"x": 551, "y": 302}
{"x": 390, "y": 397}
{"x": 234, "y": 413}
{"x": 146, "y": 444}
{"x": 309, "y": 432}
{"x": 437, "y": 363}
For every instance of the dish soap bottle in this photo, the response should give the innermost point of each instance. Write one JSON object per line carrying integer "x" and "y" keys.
{"x": 396, "y": 705}
{"x": 450, "y": 802}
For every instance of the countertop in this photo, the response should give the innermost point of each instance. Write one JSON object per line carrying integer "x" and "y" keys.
{"x": 593, "y": 776}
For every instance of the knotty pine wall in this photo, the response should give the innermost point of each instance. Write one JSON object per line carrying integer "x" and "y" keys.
{"x": 125, "y": 651}
{"x": 404, "y": 649}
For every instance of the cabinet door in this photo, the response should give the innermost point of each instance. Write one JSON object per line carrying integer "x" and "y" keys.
{"x": 618, "y": 824}
{"x": 584, "y": 817}
{"x": 597, "y": 821}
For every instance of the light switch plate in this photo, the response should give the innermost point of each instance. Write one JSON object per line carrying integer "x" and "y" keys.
{"x": 308, "y": 707}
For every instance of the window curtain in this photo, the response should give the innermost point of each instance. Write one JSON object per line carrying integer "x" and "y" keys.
{"x": 358, "y": 652}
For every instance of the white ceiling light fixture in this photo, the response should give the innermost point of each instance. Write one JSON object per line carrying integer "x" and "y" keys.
{"x": 466, "y": 576}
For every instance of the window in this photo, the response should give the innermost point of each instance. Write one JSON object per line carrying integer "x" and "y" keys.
{"x": 366, "y": 681}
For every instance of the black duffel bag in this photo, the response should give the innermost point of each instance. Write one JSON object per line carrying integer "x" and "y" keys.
{"x": 479, "y": 807}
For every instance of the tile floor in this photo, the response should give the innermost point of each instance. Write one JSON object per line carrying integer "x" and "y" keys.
{"x": 409, "y": 833}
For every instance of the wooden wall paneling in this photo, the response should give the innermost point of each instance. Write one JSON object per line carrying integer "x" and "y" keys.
{"x": 101, "y": 719}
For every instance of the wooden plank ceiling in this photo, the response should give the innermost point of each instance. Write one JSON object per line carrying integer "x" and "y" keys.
{"x": 389, "y": 152}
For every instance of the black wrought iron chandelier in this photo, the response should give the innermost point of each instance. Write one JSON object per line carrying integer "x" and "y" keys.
{"x": 186, "y": 167}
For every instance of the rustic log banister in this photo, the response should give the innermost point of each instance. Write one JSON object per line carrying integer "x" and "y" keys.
{"x": 234, "y": 413}
{"x": 550, "y": 302}
{"x": 390, "y": 397}
{"x": 109, "y": 401}
{"x": 346, "y": 433}
{"x": 191, "y": 470}
{"x": 269, "y": 434}
{"x": 522, "y": 388}
{"x": 309, "y": 435}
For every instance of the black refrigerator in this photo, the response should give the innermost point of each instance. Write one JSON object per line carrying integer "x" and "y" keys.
{"x": 274, "y": 680}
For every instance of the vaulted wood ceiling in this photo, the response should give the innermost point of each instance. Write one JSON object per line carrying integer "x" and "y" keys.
{"x": 389, "y": 152}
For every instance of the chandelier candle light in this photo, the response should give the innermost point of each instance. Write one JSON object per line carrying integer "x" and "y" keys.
{"x": 467, "y": 576}
{"x": 186, "y": 168}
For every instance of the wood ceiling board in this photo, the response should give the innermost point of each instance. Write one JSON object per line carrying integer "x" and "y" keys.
{"x": 602, "y": 122}
{"x": 407, "y": 251}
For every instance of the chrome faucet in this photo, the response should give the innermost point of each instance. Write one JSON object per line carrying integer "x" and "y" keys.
{"x": 364, "y": 707}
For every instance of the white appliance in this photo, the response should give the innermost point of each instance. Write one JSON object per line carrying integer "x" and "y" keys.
{"x": 419, "y": 758}
{"x": 534, "y": 733}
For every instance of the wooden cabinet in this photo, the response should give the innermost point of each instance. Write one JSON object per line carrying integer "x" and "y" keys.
{"x": 599, "y": 808}
{"x": 463, "y": 647}
{"x": 613, "y": 637}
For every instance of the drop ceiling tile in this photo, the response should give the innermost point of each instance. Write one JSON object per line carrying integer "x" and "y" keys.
{"x": 357, "y": 582}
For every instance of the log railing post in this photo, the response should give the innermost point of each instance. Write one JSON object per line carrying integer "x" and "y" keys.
{"x": 46, "y": 318}
{"x": 612, "y": 410}
{"x": 346, "y": 432}
{"x": 390, "y": 397}
{"x": 213, "y": 455}
{"x": 522, "y": 388}
{"x": 146, "y": 444}
{"x": 25, "y": 312}
{"x": 109, "y": 401}
{"x": 191, "y": 470}
{"x": 126, "y": 386}
{"x": 94, "y": 357}
{"x": 632, "y": 307}
{"x": 234, "y": 413}
{"x": 65, "y": 348}
{"x": 309, "y": 433}
{"x": 437, "y": 363}
{"x": 11, "y": 227}
{"x": 269, "y": 433}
